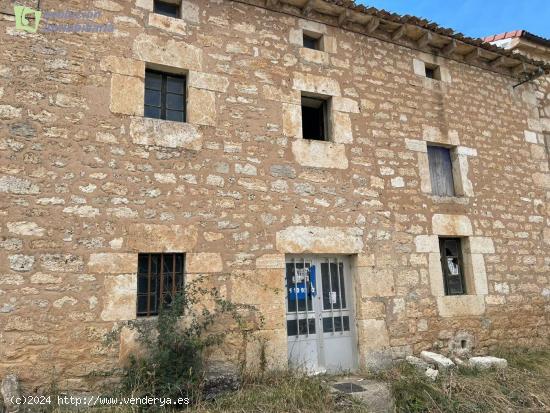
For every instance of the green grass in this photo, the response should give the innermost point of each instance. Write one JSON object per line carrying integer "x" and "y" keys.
{"x": 283, "y": 392}
{"x": 523, "y": 387}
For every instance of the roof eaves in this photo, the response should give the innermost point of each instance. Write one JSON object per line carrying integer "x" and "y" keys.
{"x": 435, "y": 28}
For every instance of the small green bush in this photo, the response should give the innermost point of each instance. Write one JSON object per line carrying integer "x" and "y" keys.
{"x": 170, "y": 363}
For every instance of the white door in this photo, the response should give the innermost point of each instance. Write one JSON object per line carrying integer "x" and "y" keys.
{"x": 320, "y": 319}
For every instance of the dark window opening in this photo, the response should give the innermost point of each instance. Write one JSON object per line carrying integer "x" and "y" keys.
{"x": 164, "y": 96}
{"x": 159, "y": 280}
{"x": 166, "y": 9}
{"x": 452, "y": 266}
{"x": 314, "y": 119}
{"x": 432, "y": 72}
{"x": 300, "y": 327}
{"x": 311, "y": 42}
{"x": 335, "y": 324}
{"x": 441, "y": 171}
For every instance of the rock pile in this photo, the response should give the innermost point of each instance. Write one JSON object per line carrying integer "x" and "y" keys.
{"x": 432, "y": 363}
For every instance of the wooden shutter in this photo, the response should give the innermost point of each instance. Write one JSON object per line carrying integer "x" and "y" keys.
{"x": 441, "y": 171}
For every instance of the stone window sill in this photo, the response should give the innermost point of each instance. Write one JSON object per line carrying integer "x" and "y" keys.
{"x": 160, "y": 132}
{"x": 462, "y": 200}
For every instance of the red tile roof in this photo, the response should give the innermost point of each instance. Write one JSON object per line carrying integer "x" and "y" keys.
{"x": 516, "y": 34}
{"x": 501, "y": 36}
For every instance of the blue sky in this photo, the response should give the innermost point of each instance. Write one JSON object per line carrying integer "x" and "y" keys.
{"x": 476, "y": 18}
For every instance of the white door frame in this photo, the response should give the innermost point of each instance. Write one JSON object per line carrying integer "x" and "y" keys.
{"x": 313, "y": 347}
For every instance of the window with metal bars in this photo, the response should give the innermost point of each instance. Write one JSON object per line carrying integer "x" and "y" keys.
{"x": 160, "y": 278}
{"x": 452, "y": 266}
{"x": 164, "y": 96}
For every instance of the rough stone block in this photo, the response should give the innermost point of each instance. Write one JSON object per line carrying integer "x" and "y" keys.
{"x": 480, "y": 245}
{"x": 374, "y": 335}
{"x": 314, "y": 56}
{"x": 201, "y": 106}
{"x": 158, "y": 132}
{"x": 427, "y": 243}
{"x": 18, "y": 186}
{"x": 416, "y": 145}
{"x": 312, "y": 26}
{"x": 112, "y": 263}
{"x": 436, "y": 274}
{"x": 461, "y": 305}
{"x": 292, "y": 120}
{"x": 8, "y": 112}
{"x": 330, "y": 44}
{"x": 278, "y": 94}
{"x": 170, "y": 24}
{"x": 487, "y": 362}
{"x": 431, "y": 373}
{"x": 321, "y": 85}
{"x": 463, "y": 185}
{"x": 419, "y": 67}
{"x": 445, "y": 74}
{"x": 189, "y": 11}
{"x": 542, "y": 180}
{"x": 145, "y": 4}
{"x": 208, "y": 81}
{"x": 463, "y": 150}
{"x": 434, "y": 134}
{"x": 318, "y": 240}
{"x": 203, "y": 263}
{"x": 452, "y": 225}
{"x": 123, "y": 66}
{"x": 439, "y": 360}
{"x": 341, "y": 128}
{"x": 376, "y": 282}
{"x": 20, "y": 262}
{"x": 477, "y": 263}
{"x": 365, "y": 260}
{"x": 161, "y": 238}
{"x": 62, "y": 262}
{"x": 127, "y": 95}
{"x": 296, "y": 37}
{"x": 271, "y": 261}
{"x": 169, "y": 53}
{"x": 424, "y": 172}
{"x": 346, "y": 105}
{"x": 120, "y": 297}
{"x": 418, "y": 363}
{"x": 319, "y": 154}
{"x": 26, "y": 228}
{"x": 108, "y": 5}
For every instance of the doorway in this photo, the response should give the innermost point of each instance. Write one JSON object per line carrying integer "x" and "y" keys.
{"x": 320, "y": 318}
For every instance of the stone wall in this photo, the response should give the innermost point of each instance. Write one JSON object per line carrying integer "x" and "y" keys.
{"x": 87, "y": 183}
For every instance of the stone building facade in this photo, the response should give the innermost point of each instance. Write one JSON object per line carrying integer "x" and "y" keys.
{"x": 87, "y": 182}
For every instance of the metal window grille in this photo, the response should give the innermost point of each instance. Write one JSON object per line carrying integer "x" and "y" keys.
{"x": 160, "y": 278}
